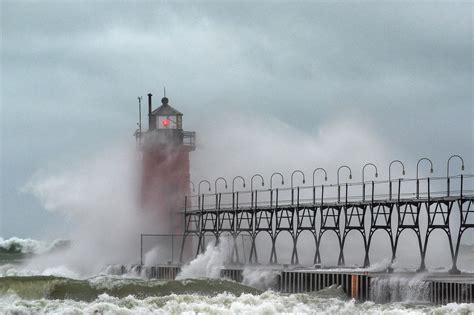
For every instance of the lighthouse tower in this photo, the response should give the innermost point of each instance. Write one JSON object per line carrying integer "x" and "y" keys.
{"x": 165, "y": 174}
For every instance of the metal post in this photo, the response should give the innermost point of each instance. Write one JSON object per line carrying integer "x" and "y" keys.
{"x": 271, "y": 198}
{"x": 363, "y": 177}
{"x": 172, "y": 248}
{"x": 447, "y": 168}
{"x": 462, "y": 180}
{"x": 298, "y": 195}
{"x": 390, "y": 189}
{"x": 448, "y": 186}
{"x": 417, "y": 174}
{"x": 140, "y": 114}
{"x": 217, "y": 216}
{"x": 141, "y": 250}
{"x": 399, "y": 188}
{"x": 417, "y": 188}
{"x": 276, "y": 202}
{"x": 322, "y": 194}
{"x": 429, "y": 192}
{"x": 390, "y": 175}
{"x": 347, "y": 189}
{"x": 185, "y": 209}
{"x": 373, "y": 190}
{"x": 363, "y": 191}
{"x": 256, "y": 199}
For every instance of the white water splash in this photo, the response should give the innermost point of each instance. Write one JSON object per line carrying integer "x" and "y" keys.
{"x": 60, "y": 271}
{"x": 30, "y": 246}
{"x": 399, "y": 289}
{"x": 262, "y": 279}
{"x": 208, "y": 264}
{"x": 152, "y": 257}
{"x": 100, "y": 196}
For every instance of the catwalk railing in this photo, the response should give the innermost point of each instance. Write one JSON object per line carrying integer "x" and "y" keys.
{"x": 393, "y": 206}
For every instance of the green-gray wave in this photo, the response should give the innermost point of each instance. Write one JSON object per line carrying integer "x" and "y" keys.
{"x": 50, "y": 287}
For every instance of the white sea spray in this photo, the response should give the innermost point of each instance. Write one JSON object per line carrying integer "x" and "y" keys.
{"x": 396, "y": 289}
{"x": 208, "y": 264}
{"x": 260, "y": 278}
{"x": 60, "y": 271}
{"x": 266, "y": 303}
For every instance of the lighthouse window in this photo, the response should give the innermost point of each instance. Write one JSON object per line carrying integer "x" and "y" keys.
{"x": 167, "y": 122}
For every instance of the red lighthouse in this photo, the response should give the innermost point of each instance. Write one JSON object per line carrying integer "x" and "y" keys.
{"x": 165, "y": 175}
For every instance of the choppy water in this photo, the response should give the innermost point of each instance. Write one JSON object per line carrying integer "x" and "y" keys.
{"x": 22, "y": 292}
{"x": 224, "y": 298}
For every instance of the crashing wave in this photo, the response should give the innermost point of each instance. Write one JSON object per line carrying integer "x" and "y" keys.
{"x": 14, "y": 251}
{"x": 50, "y": 287}
{"x": 17, "y": 245}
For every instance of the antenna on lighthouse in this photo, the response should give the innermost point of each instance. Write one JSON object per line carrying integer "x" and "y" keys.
{"x": 164, "y": 91}
{"x": 140, "y": 114}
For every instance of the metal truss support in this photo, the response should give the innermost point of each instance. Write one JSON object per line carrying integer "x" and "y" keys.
{"x": 318, "y": 217}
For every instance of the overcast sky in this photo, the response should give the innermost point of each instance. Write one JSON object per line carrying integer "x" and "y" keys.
{"x": 71, "y": 73}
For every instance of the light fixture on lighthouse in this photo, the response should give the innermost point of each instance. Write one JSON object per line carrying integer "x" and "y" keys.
{"x": 167, "y": 117}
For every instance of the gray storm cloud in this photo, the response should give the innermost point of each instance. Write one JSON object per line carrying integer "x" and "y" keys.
{"x": 71, "y": 73}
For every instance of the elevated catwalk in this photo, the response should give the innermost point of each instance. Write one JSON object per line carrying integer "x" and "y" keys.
{"x": 341, "y": 209}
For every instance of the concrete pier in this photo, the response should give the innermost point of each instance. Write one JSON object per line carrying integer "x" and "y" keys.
{"x": 440, "y": 288}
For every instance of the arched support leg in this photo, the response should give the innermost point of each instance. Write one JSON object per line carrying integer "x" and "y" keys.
{"x": 342, "y": 240}
{"x": 200, "y": 248}
{"x": 253, "y": 259}
{"x": 454, "y": 251}
{"x": 422, "y": 246}
{"x": 395, "y": 244}
{"x": 182, "y": 248}
{"x": 234, "y": 258}
{"x": 394, "y": 237}
{"x": 317, "y": 254}
{"x": 273, "y": 255}
{"x": 367, "y": 247}
{"x": 393, "y": 248}
{"x": 294, "y": 254}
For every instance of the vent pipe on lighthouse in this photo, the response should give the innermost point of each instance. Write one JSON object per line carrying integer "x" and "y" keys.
{"x": 151, "y": 119}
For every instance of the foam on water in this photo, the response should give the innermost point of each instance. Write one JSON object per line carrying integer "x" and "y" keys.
{"x": 223, "y": 303}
